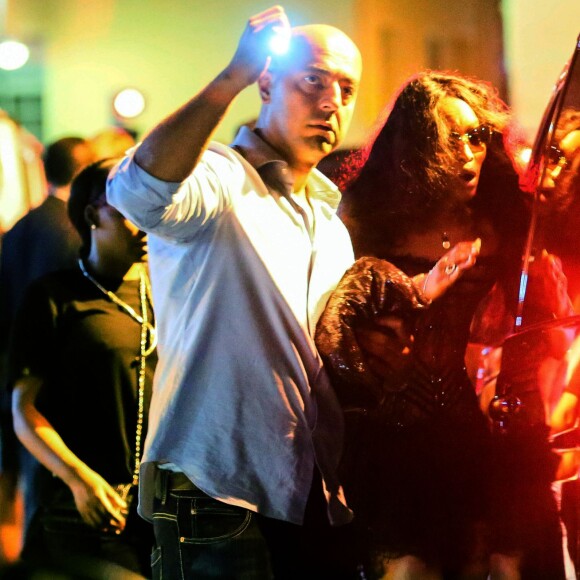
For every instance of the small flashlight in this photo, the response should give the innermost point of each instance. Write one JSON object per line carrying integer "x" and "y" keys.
{"x": 280, "y": 40}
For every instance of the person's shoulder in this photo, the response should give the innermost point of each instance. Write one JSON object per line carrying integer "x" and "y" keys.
{"x": 17, "y": 236}
{"x": 216, "y": 151}
{"x": 52, "y": 208}
{"x": 49, "y": 207}
{"x": 60, "y": 283}
{"x": 19, "y": 226}
{"x": 49, "y": 204}
{"x": 224, "y": 161}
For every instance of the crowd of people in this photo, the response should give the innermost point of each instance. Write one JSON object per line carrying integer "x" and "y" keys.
{"x": 291, "y": 395}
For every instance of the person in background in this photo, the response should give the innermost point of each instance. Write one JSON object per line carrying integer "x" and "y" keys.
{"x": 439, "y": 172}
{"x": 245, "y": 250}
{"x": 82, "y": 361}
{"x": 112, "y": 142}
{"x": 42, "y": 241}
{"x": 560, "y": 190}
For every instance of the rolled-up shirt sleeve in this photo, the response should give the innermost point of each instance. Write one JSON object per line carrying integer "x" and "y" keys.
{"x": 174, "y": 210}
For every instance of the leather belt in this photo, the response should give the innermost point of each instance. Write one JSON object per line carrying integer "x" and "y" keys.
{"x": 177, "y": 481}
{"x": 166, "y": 481}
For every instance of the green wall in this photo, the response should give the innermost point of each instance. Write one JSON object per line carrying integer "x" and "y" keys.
{"x": 169, "y": 49}
{"x": 88, "y": 49}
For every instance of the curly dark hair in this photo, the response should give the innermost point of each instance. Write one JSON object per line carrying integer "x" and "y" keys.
{"x": 397, "y": 182}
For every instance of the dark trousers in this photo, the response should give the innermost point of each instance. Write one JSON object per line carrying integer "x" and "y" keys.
{"x": 314, "y": 551}
{"x": 199, "y": 537}
{"x": 80, "y": 552}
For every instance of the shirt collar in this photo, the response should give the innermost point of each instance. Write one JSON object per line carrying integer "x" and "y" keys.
{"x": 275, "y": 171}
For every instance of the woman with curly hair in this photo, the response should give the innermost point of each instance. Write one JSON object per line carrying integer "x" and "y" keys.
{"x": 439, "y": 172}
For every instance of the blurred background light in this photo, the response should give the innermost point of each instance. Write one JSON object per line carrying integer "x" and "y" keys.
{"x": 129, "y": 103}
{"x": 13, "y": 54}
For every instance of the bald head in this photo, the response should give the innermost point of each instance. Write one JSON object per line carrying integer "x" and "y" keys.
{"x": 308, "y": 94}
{"x": 319, "y": 39}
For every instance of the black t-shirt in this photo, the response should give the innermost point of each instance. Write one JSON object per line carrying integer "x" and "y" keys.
{"x": 86, "y": 349}
{"x": 43, "y": 241}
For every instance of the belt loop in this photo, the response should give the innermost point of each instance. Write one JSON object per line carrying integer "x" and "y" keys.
{"x": 161, "y": 484}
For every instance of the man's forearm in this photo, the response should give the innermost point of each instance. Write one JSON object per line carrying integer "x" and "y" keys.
{"x": 172, "y": 149}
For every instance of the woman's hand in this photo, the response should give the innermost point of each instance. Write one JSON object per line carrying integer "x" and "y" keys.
{"x": 388, "y": 344}
{"x": 98, "y": 503}
{"x": 448, "y": 269}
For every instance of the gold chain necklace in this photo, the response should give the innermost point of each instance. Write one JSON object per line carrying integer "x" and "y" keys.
{"x": 124, "y": 306}
{"x": 148, "y": 342}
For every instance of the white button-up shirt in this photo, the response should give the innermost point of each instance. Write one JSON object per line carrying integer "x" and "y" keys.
{"x": 241, "y": 403}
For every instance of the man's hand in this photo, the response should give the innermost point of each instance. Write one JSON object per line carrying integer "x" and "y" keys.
{"x": 253, "y": 53}
{"x": 173, "y": 148}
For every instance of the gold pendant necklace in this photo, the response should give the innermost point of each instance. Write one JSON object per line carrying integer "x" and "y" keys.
{"x": 445, "y": 241}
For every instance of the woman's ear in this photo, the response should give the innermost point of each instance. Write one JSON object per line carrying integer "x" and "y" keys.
{"x": 91, "y": 217}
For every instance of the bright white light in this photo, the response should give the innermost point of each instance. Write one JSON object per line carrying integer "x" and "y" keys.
{"x": 526, "y": 154}
{"x": 129, "y": 103}
{"x": 280, "y": 41}
{"x": 13, "y": 54}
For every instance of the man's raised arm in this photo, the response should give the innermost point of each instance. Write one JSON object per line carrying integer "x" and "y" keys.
{"x": 172, "y": 149}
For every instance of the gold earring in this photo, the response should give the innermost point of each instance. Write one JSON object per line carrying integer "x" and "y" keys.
{"x": 93, "y": 227}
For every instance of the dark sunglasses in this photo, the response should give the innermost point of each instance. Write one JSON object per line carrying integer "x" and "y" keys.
{"x": 477, "y": 137}
{"x": 556, "y": 157}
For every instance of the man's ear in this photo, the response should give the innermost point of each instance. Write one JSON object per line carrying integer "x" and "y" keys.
{"x": 265, "y": 86}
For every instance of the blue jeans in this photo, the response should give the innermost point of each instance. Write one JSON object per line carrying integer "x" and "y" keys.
{"x": 199, "y": 537}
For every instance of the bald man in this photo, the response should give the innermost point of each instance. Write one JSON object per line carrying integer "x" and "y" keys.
{"x": 245, "y": 432}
